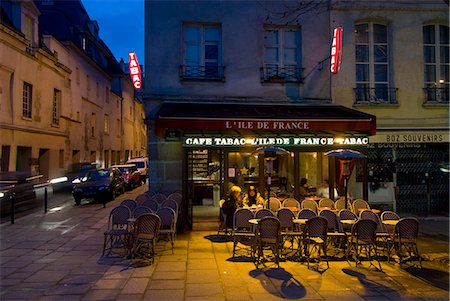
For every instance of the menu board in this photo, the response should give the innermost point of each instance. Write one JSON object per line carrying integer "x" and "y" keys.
{"x": 199, "y": 161}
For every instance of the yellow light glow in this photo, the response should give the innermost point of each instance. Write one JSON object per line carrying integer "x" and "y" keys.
{"x": 314, "y": 155}
{"x": 441, "y": 81}
{"x": 249, "y": 140}
{"x": 339, "y": 140}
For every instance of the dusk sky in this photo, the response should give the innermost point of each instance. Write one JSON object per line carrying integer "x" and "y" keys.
{"x": 121, "y": 25}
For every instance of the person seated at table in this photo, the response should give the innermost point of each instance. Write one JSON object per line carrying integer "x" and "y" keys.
{"x": 324, "y": 190}
{"x": 252, "y": 197}
{"x": 231, "y": 204}
{"x": 304, "y": 188}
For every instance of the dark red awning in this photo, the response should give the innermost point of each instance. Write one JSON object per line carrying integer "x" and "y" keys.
{"x": 294, "y": 118}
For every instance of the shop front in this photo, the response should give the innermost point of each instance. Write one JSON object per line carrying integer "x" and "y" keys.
{"x": 222, "y": 145}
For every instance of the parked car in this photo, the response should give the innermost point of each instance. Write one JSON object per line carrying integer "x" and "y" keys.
{"x": 142, "y": 165}
{"x": 100, "y": 184}
{"x": 20, "y": 185}
{"x": 130, "y": 174}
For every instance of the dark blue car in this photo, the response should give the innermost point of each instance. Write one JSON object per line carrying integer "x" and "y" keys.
{"x": 102, "y": 184}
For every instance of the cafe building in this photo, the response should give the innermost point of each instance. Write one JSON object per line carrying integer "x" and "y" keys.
{"x": 204, "y": 148}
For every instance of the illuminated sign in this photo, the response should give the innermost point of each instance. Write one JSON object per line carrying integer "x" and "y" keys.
{"x": 280, "y": 141}
{"x": 336, "y": 50}
{"x": 135, "y": 70}
{"x": 267, "y": 125}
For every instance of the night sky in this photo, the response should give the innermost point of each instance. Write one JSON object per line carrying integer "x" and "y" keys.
{"x": 121, "y": 24}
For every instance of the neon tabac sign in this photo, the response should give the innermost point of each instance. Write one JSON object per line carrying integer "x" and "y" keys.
{"x": 336, "y": 50}
{"x": 135, "y": 70}
{"x": 274, "y": 141}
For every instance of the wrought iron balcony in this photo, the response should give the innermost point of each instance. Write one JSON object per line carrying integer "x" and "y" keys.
{"x": 434, "y": 95}
{"x": 375, "y": 95}
{"x": 202, "y": 73}
{"x": 275, "y": 74}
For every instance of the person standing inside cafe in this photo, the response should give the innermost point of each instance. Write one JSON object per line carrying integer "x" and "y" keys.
{"x": 231, "y": 204}
{"x": 253, "y": 197}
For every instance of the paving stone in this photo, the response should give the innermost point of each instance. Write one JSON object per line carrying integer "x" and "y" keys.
{"x": 162, "y": 295}
{"x": 110, "y": 283}
{"x": 202, "y": 276}
{"x": 166, "y": 284}
{"x": 208, "y": 289}
{"x": 130, "y": 297}
{"x": 101, "y": 295}
{"x": 169, "y": 275}
{"x": 69, "y": 289}
{"x": 170, "y": 266}
{"x": 47, "y": 275}
{"x": 135, "y": 286}
{"x": 64, "y": 297}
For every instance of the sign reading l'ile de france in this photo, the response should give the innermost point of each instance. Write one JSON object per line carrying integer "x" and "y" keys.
{"x": 135, "y": 70}
{"x": 267, "y": 125}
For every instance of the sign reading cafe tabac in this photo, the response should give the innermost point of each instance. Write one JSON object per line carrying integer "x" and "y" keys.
{"x": 280, "y": 141}
{"x": 135, "y": 70}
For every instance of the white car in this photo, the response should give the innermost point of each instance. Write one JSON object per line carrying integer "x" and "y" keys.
{"x": 142, "y": 166}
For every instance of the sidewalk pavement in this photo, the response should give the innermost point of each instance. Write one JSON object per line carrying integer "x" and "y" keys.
{"x": 57, "y": 256}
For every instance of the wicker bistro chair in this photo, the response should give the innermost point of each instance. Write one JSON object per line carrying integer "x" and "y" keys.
{"x": 288, "y": 228}
{"x": 142, "y": 198}
{"x": 358, "y": 205}
{"x": 130, "y": 203}
{"x": 306, "y": 213}
{"x": 268, "y": 236}
{"x": 291, "y": 202}
{"x": 315, "y": 236}
{"x": 389, "y": 215}
{"x": 152, "y": 204}
{"x": 335, "y": 232}
{"x": 145, "y": 235}
{"x": 340, "y": 204}
{"x": 159, "y": 198}
{"x": 381, "y": 234}
{"x": 363, "y": 238}
{"x": 139, "y": 210}
{"x": 309, "y": 204}
{"x": 170, "y": 204}
{"x": 263, "y": 213}
{"x": 326, "y": 202}
{"x": 176, "y": 196}
{"x": 404, "y": 239}
{"x": 242, "y": 231}
{"x": 117, "y": 234}
{"x": 347, "y": 214}
{"x": 274, "y": 204}
{"x": 168, "y": 224}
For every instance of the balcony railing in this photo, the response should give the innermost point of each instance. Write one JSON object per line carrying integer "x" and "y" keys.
{"x": 375, "y": 95}
{"x": 202, "y": 73}
{"x": 275, "y": 74}
{"x": 436, "y": 95}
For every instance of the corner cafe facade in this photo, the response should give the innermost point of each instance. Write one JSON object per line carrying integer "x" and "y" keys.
{"x": 202, "y": 148}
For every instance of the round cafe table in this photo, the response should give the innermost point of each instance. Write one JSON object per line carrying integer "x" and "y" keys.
{"x": 391, "y": 222}
{"x": 300, "y": 221}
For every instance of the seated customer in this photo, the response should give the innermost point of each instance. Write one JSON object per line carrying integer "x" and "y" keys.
{"x": 304, "y": 188}
{"x": 231, "y": 204}
{"x": 253, "y": 197}
{"x": 324, "y": 190}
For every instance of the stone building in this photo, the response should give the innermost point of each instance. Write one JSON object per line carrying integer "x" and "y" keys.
{"x": 227, "y": 78}
{"x": 63, "y": 94}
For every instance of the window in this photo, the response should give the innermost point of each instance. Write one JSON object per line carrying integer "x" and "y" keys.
{"x": 107, "y": 95}
{"x": 202, "y": 52}
{"x": 93, "y": 121}
{"x": 29, "y": 29}
{"x": 77, "y": 74}
{"x": 106, "y": 125}
{"x": 282, "y": 55}
{"x": 61, "y": 158}
{"x": 56, "y": 106}
{"x": 436, "y": 59}
{"x": 372, "y": 64}
{"x": 27, "y": 100}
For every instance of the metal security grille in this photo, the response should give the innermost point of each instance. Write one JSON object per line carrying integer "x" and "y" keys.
{"x": 422, "y": 185}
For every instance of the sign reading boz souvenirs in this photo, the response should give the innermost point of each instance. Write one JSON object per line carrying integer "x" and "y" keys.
{"x": 279, "y": 141}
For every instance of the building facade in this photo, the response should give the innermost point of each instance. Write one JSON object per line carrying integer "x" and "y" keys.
{"x": 396, "y": 67}
{"x": 62, "y": 92}
{"x": 226, "y": 78}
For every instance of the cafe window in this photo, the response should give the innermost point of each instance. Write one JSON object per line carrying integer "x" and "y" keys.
{"x": 202, "y": 52}
{"x": 282, "y": 55}
{"x": 373, "y": 64}
{"x": 436, "y": 50}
